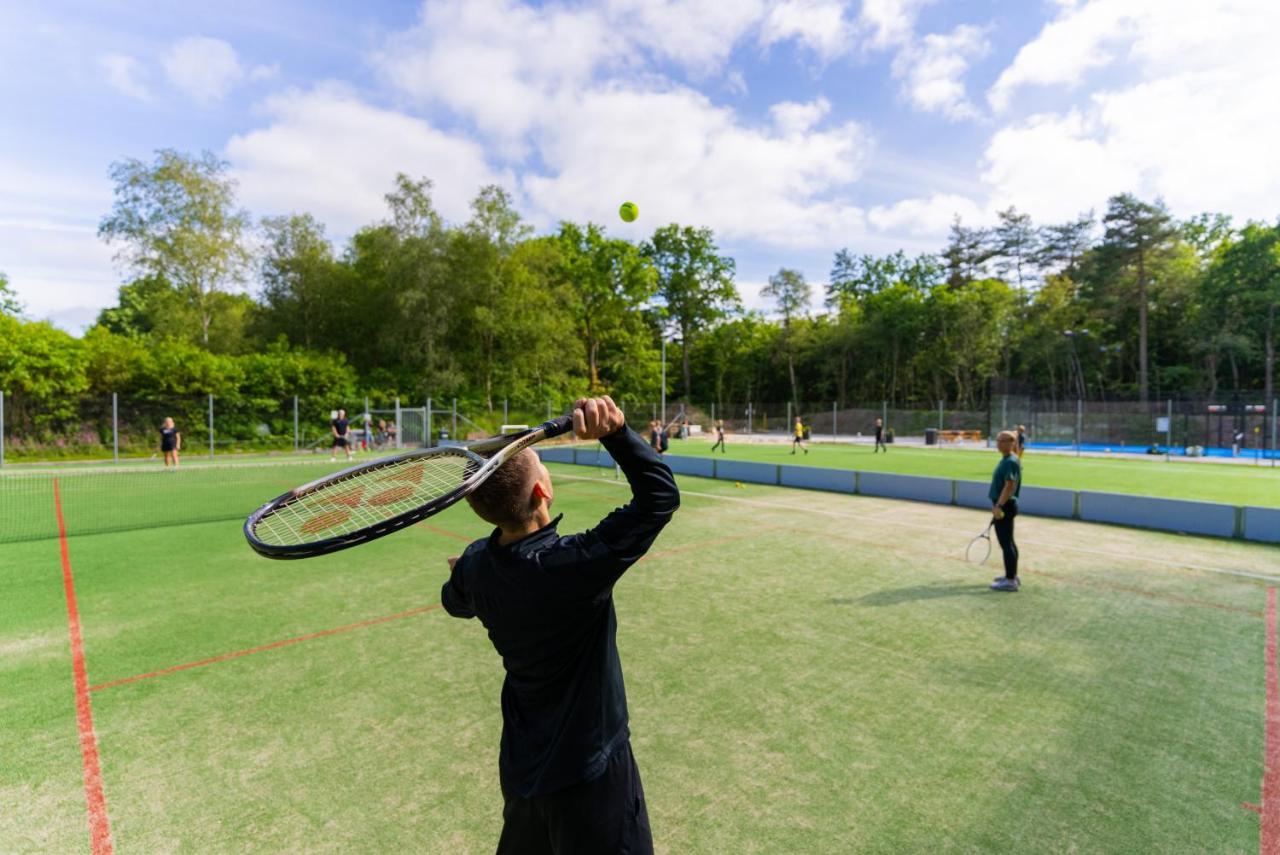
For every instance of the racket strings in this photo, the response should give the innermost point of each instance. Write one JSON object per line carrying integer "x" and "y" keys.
{"x": 364, "y": 499}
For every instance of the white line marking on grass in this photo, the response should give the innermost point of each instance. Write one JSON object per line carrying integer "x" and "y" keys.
{"x": 1180, "y": 565}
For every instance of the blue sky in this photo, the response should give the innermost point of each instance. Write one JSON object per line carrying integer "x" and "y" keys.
{"x": 791, "y": 127}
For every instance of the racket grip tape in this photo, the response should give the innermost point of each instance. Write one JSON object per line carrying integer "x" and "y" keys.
{"x": 557, "y": 426}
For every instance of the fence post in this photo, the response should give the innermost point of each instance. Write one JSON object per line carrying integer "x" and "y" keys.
{"x": 454, "y": 434}
{"x": 751, "y": 417}
{"x": 211, "y": 426}
{"x": 1, "y": 429}
{"x": 1275, "y": 423}
{"x": 833, "y": 420}
{"x": 115, "y": 430}
{"x": 1079, "y": 423}
{"x": 505, "y": 420}
{"x": 1168, "y": 430}
{"x": 713, "y": 413}
{"x": 787, "y": 424}
{"x": 939, "y": 416}
{"x": 427, "y": 440}
{"x": 295, "y": 422}
{"x": 399, "y": 425}
{"x": 884, "y": 415}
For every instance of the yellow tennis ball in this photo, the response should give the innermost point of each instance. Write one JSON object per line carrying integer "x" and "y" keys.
{"x": 629, "y": 211}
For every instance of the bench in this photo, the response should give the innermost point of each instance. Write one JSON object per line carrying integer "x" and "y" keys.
{"x": 960, "y": 436}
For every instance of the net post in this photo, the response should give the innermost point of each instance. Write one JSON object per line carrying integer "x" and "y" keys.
{"x": 115, "y": 430}
{"x": 399, "y": 426}
{"x": 1, "y": 429}
{"x": 211, "y": 426}
{"x": 454, "y": 433}
{"x": 295, "y": 422}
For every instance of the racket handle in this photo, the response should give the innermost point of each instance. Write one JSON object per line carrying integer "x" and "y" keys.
{"x": 557, "y": 426}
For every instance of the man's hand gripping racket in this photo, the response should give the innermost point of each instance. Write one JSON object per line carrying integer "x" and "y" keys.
{"x": 372, "y": 500}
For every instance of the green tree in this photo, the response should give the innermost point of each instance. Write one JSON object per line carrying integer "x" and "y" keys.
{"x": 1016, "y": 243}
{"x": 1244, "y": 283}
{"x": 791, "y": 294}
{"x": 857, "y": 276}
{"x": 967, "y": 253}
{"x": 1135, "y": 232}
{"x": 608, "y": 283}
{"x": 176, "y": 219}
{"x": 1060, "y": 246}
{"x": 9, "y": 303}
{"x": 296, "y": 268}
{"x": 695, "y": 284}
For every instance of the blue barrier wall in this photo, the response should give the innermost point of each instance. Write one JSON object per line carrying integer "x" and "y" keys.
{"x": 1262, "y": 524}
{"x": 1162, "y": 514}
{"x": 553, "y": 454}
{"x": 593, "y": 457}
{"x": 1047, "y": 502}
{"x": 1205, "y": 518}
{"x": 973, "y": 494}
{"x": 915, "y": 487}
{"x": 703, "y": 467}
{"x": 815, "y": 478}
{"x": 741, "y": 470}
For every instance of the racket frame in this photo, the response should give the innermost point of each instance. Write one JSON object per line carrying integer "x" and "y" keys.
{"x": 488, "y": 455}
{"x": 986, "y": 535}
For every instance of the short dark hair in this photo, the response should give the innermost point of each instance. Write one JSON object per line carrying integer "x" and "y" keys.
{"x": 503, "y": 498}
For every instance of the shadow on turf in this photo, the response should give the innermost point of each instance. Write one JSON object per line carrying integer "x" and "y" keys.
{"x": 911, "y": 594}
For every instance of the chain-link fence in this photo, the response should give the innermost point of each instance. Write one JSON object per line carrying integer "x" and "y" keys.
{"x": 121, "y": 426}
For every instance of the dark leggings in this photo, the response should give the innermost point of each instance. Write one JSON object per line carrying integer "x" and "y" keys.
{"x": 1004, "y": 534}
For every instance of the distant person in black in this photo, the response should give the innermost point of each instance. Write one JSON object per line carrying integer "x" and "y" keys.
{"x": 1021, "y": 441}
{"x": 339, "y": 428}
{"x": 170, "y": 443}
{"x": 569, "y": 780}
{"x": 664, "y": 438}
{"x": 880, "y": 437}
{"x": 654, "y": 442}
{"x": 719, "y": 439}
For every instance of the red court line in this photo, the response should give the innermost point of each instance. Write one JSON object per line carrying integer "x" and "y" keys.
{"x": 446, "y": 532}
{"x": 264, "y": 647}
{"x": 95, "y": 797}
{"x": 1269, "y": 835}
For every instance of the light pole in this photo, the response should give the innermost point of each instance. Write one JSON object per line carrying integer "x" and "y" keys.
{"x": 663, "y": 417}
{"x": 1078, "y": 369}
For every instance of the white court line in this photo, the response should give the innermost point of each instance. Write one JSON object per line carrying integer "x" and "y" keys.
{"x": 1180, "y": 565}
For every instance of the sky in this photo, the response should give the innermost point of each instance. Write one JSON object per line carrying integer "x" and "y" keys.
{"x": 791, "y": 128}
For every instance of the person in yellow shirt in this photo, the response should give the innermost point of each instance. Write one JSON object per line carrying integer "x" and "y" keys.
{"x": 798, "y": 439}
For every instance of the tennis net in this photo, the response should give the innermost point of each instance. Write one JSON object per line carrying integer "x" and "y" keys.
{"x": 119, "y": 498}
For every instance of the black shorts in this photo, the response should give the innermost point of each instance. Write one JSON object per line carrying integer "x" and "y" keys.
{"x": 167, "y": 446}
{"x": 339, "y": 442}
{"x": 606, "y": 814}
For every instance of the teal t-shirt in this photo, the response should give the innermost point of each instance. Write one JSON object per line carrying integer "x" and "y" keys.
{"x": 1007, "y": 468}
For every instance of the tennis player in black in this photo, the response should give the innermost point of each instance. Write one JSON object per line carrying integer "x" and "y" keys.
{"x": 338, "y": 427}
{"x": 880, "y": 437}
{"x": 569, "y": 780}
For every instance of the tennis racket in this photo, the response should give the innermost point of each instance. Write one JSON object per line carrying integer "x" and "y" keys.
{"x": 372, "y": 500}
{"x": 979, "y": 549}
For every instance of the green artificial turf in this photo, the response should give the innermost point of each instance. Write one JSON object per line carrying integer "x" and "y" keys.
{"x": 1232, "y": 484}
{"x": 806, "y": 673}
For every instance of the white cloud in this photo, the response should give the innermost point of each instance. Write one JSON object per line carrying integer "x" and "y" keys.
{"x": 694, "y": 34}
{"x": 328, "y": 153}
{"x": 1082, "y": 39}
{"x": 889, "y": 23}
{"x": 205, "y": 69}
{"x": 793, "y": 118}
{"x": 684, "y": 159}
{"x": 928, "y": 217}
{"x": 819, "y": 25}
{"x": 932, "y": 70}
{"x": 125, "y": 74}
{"x": 1191, "y": 127}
